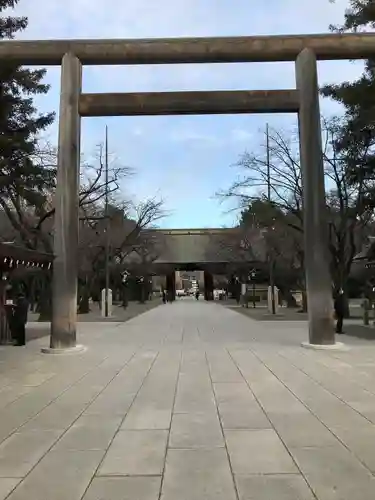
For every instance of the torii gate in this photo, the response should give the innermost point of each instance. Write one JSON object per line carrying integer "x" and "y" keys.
{"x": 305, "y": 50}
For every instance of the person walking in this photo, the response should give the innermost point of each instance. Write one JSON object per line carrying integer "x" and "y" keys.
{"x": 164, "y": 296}
{"x": 339, "y": 306}
{"x": 197, "y": 295}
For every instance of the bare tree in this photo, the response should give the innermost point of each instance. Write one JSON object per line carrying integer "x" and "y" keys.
{"x": 239, "y": 246}
{"x": 283, "y": 176}
{"x": 347, "y": 211}
{"x": 22, "y": 197}
{"x": 349, "y": 214}
{"x": 126, "y": 230}
{"x": 127, "y": 241}
{"x": 31, "y": 210}
{"x": 143, "y": 216}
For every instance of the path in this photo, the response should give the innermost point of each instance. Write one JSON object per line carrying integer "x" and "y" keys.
{"x": 189, "y": 401}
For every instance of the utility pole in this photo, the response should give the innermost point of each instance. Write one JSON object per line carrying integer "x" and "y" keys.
{"x": 270, "y": 256}
{"x": 107, "y": 227}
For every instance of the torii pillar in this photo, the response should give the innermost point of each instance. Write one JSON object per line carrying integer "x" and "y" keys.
{"x": 65, "y": 266}
{"x": 318, "y": 279}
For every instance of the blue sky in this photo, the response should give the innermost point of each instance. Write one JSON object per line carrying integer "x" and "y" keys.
{"x": 185, "y": 160}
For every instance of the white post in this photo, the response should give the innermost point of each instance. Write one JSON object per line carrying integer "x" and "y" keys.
{"x": 273, "y": 297}
{"x": 243, "y": 294}
{"x": 106, "y": 307}
{"x": 269, "y": 299}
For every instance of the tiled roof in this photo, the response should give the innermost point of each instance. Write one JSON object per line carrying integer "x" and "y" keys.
{"x": 9, "y": 250}
{"x": 204, "y": 246}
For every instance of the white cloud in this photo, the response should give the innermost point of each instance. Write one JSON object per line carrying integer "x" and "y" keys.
{"x": 137, "y": 131}
{"x": 240, "y": 135}
{"x": 191, "y": 136}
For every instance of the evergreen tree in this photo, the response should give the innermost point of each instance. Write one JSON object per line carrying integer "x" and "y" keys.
{"x": 357, "y": 137}
{"x": 24, "y": 181}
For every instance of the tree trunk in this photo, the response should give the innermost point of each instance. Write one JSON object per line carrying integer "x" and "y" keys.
{"x": 304, "y": 302}
{"x": 45, "y": 300}
{"x": 142, "y": 297}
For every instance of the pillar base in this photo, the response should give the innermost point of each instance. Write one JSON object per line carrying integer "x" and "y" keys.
{"x": 69, "y": 350}
{"x": 337, "y": 346}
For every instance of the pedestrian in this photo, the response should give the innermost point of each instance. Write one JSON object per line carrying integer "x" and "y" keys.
{"x": 197, "y": 295}
{"x": 20, "y": 319}
{"x": 164, "y": 296}
{"x": 339, "y": 306}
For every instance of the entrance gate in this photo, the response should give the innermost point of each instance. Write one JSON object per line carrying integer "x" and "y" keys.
{"x": 304, "y": 99}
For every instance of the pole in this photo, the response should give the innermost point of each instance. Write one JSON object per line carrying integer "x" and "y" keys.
{"x": 318, "y": 279}
{"x": 270, "y": 259}
{"x": 65, "y": 242}
{"x": 107, "y": 227}
{"x": 268, "y": 164}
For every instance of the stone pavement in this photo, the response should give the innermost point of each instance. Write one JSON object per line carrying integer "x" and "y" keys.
{"x": 190, "y": 401}
{"x": 37, "y": 329}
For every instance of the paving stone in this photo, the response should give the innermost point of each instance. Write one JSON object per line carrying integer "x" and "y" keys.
{"x": 9, "y": 425}
{"x": 130, "y": 379}
{"x": 270, "y": 392}
{"x": 80, "y": 394}
{"x": 366, "y": 408}
{"x": 258, "y": 452}
{"x": 35, "y": 379}
{"x": 238, "y": 409}
{"x": 21, "y": 411}
{"x": 7, "y": 485}
{"x": 197, "y": 475}
{"x": 55, "y": 417}
{"x": 222, "y": 368}
{"x": 334, "y": 473}
{"x": 152, "y": 408}
{"x": 234, "y": 393}
{"x": 110, "y": 404}
{"x": 302, "y": 429}
{"x": 89, "y": 433}
{"x": 323, "y": 370}
{"x": 11, "y": 393}
{"x": 195, "y": 430}
{"x": 338, "y": 414}
{"x": 361, "y": 441}
{"x": 135, "y": 453}
{"x": 59, "y": 476}
{"x": 279, "y": 400}
{"x": 23, "y": 450}
{"x": 232, "y": 418}
{"x": 273, "y": 487}
{"x": 194, "y": 395}
{"x": 130, "y": 370}
{"x": 124, "y": 488}
{"x": 147, "y": 418}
